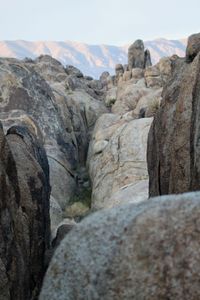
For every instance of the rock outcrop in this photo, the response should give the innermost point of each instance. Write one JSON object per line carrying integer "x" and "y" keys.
{"x": 193, "y": 47}
{"x": 137, "y": 57}
{"x": 60, "y": 107}
{"x": 117, "y": 151}
{"x": 146, "y": 251}
{"x": 117, "y": 160}
{"x": 24, "y": 214}
{"x": 173, "y": 144}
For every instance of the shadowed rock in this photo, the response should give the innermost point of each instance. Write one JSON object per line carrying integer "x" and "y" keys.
{"x": 24, "y": 214}
{"x": 193, "y": 47}
{"x": 173, "y": 143}
{"x": 136, "y": 57}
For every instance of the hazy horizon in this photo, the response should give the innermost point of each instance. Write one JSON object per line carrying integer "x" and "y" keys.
{"x": 96, "y": 44}
{"x": 94, "y": 22}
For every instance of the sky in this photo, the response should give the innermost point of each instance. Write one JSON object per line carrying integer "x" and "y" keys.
{"x": 114, "y": 22}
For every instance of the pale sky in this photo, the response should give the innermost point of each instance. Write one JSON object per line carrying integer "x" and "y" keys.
{"x": 114, "y": 22}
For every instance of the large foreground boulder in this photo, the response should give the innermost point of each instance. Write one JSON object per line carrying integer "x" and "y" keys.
{"x": 24, "y": 214}
{"x": 146, "y": 251}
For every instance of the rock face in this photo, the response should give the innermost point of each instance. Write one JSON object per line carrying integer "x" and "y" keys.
{"x": 24, "y": 214}
{"x": 158, "y": 75}
{"x": 60, "y": 107}
{"x": 146, "y": 251}
{"x": 193, "y": 47}
{"x": 173, "y": 144}
{"x": 117, "y": 151}
{"x": 117, "y": 160}
{"x": 119, "y": 70}
{"x": 137, "y": 57}
{"x": 133, "y": 94}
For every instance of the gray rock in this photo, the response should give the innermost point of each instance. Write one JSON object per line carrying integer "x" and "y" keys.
{"x": 24, "y": 214}
{"x": 89, "y": 78}
{"x": 104, "y": 78}
{"x": 193, "y": 47}
{"x": 146, "y": 251}
{"x": 38, "y": 96}
{"x": 136, "y": 57}
{"x": 71, "y": 70}
{"x": 173, "y": 147}
{"x": 117, "y": 159}
{"x": 119, "y": 69}
{"x": 147, "y": 58}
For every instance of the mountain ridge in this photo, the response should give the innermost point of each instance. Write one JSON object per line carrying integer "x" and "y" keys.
{"x": 90, "y": 59}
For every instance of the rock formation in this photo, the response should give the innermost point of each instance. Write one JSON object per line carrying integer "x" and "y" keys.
{"x": 94, "y": 134}
{"x": 117, "y": 160}
{"x": 193, "y": 47}
{"x": 146, "y": 251}
{"x": 59, "y": 105}
{"x": 137, "y": 57}
{"x": 117, "y": 151}
{"x": 173, "y": 145}
{"x": 24, "y": 214}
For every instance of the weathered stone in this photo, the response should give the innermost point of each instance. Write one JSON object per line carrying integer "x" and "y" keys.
{"x": 153, "y": 77}
{"x": 150, "y": 102}
{"x": 119, "y": 69}
{"x": 146, "y": 251}
{"x": 193, "y": 47}
{"x": 89, "y": 78}
{"x": 147, "y": 59}
{"x": 111, "y": 97}
{"x": 71, "y": 70}
{"x": 173, "y": 147}
{"x": 127, "y": 75}
{"x": 136, "y": 57}
{"x": 128, "y": 94}
{"x": 24, "y": 214}
{"x": 38, "y": 96}
{"x": 56, "y": 216}
{"x": 137, "y": 73}
{"x": 120, "y": 159}
{"x": 125, "y": 67}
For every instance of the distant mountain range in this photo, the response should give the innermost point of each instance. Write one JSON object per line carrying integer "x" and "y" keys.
{"x": 90, "y": 59}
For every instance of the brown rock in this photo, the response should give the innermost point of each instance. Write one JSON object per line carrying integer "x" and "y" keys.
{"x": 173, "y": 143}
{"x": 119, "y": 69}
{"x": 24, "y": 214}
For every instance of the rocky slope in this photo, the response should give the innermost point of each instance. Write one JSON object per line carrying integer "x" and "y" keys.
{"x": 90, "y": 59}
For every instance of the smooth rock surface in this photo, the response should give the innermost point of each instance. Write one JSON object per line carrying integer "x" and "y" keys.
{"x": 120, "y": 159}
